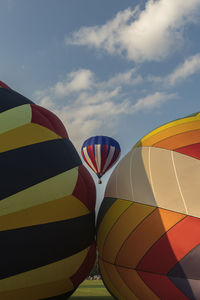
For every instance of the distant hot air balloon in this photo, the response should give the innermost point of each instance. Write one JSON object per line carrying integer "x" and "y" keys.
{"x": 100, "y": 153}
{"x": 47, "y": 203}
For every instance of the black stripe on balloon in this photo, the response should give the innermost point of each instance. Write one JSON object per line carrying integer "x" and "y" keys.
{"x": 105, "y": 206}
{"x": 31, "y": 247}
{"x": 60, "y": 297}
{"x": 29, "y": 165}
{"x": 10, "y": 99}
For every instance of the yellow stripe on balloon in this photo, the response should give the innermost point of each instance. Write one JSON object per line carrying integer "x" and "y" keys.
{"x": 108, "y": 281}
{"x": 166, "y": 126}
{"x": 46, "y": 290}
{"x": 15, "y": 117}
{"x": 48, "y": 190}
{"x": 180, "y": 140}
{"x": 120, "y": 285}
{"x": 171, "y": 132}
{"x": 57, "y": 210}
{"x": 136, "y": 284}
{"x": 49, "y": 274}
{"x": 128, "y": 221}
{"x": 25, "y": 135}
{"x": 109, "y": 220}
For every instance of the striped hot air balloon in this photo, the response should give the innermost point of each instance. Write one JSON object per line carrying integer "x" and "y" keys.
{"x": 47, "y": 202}
{"x": 148, "y": 227}
{"x": 100, "y": 153}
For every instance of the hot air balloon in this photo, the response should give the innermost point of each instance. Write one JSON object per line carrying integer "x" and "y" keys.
{"x": 148, "y": 227}
{"x": 47, "y": 201}
{"x": 100, "y": 153}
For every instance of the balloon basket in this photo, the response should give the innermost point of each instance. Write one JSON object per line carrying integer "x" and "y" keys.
{"x": 99, "y": 181}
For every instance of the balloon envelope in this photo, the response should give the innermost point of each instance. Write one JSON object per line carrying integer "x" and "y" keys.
{"x": 148, "y": 232}
{"x": 47, "y": 201}
{"x": 100, "y": 153}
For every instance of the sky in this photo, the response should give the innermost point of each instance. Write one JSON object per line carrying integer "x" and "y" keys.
{"x": 105, "y": 67}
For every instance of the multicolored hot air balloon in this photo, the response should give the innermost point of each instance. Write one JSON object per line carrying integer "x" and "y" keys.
{"x": 100, "y": 153}
{"x": 47, "y": 201}
{"x": 149, "y": 222}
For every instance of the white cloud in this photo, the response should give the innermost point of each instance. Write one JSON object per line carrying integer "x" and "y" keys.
{"x": 190, "y": 66}
{"x": 150, "y": 34}
{"x": 76, "y": 81}
{"x": 152, "y": 101}
{"x": 96, "y": 108}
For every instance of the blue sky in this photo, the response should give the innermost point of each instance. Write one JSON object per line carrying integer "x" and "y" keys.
{"x": 111, "y": 67}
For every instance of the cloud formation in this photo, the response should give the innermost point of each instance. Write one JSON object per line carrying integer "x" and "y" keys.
{"x": 190, "y": 66}
{"x": 183, "y": 71}
{"x": 94, "y": 106}
{"x": 152, "y": 101}
{"x": 141, "y": 35}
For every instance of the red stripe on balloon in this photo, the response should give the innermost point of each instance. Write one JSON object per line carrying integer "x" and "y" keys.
{"x": 92, "y": 156}
{"x": 83, "y": 155}
{"x": 162, "y": 286}
{"x": 3, "y": 85}
{"x": 85, "y": 189}
{"x": 115, "y": 156}
{"x": 104, "y": 156}
{"x": 86, "y": 266}
{"x": 47, "y": 119}
{"x": 172, "y": 247}
{"x": 190, "y": 150}
{"x": 85, "y": 159}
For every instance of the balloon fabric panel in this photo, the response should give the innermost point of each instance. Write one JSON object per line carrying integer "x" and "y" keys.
{"x": 30, "y": 255}
{"x": 190, "y": 150}
{"x": 111, "y": 217}
{"x": 187, "y": 121}
{"x": 24, "y": 136}
{"x": 66, "y": 208}
{"x": 7, "y": 99}
{"x": 48, "y": 190}
{"x": 119, "y": 284}
{"x": 124, "y": 227}
{"x": 142, "y": 238}
{"x": 85, "y": 189}
{"x": 169, "y": 132}
{"x": 15, "y": 117}
{"x": 136, "y": 284}
{"x": 162, "y": 286}
{"x": 32, "y": 156}
{"x": 47, "y": 119}
{"x": 47, "y": 199}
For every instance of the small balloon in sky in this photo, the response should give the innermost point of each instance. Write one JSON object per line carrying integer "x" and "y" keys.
{"x": 100, "y": 153}
{"x": 47, "y": 202}
{"x": 148, "y": 227}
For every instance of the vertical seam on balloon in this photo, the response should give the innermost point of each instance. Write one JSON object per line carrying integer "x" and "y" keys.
{"x": 150, "y": 174}
{"x": 117, "y": 170}
{"x": 133, "y": 292}
{"x": 109, "y": 158}
{"x": 88, "y": 159}
{"x": 140, "y": 222}
{"x": 98, "y": 157}
{"x": 130, "y": 172}
{"x": 178, "y": 183}
{"x": 108, "y": 275}
{"x": 115, "y": 222}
